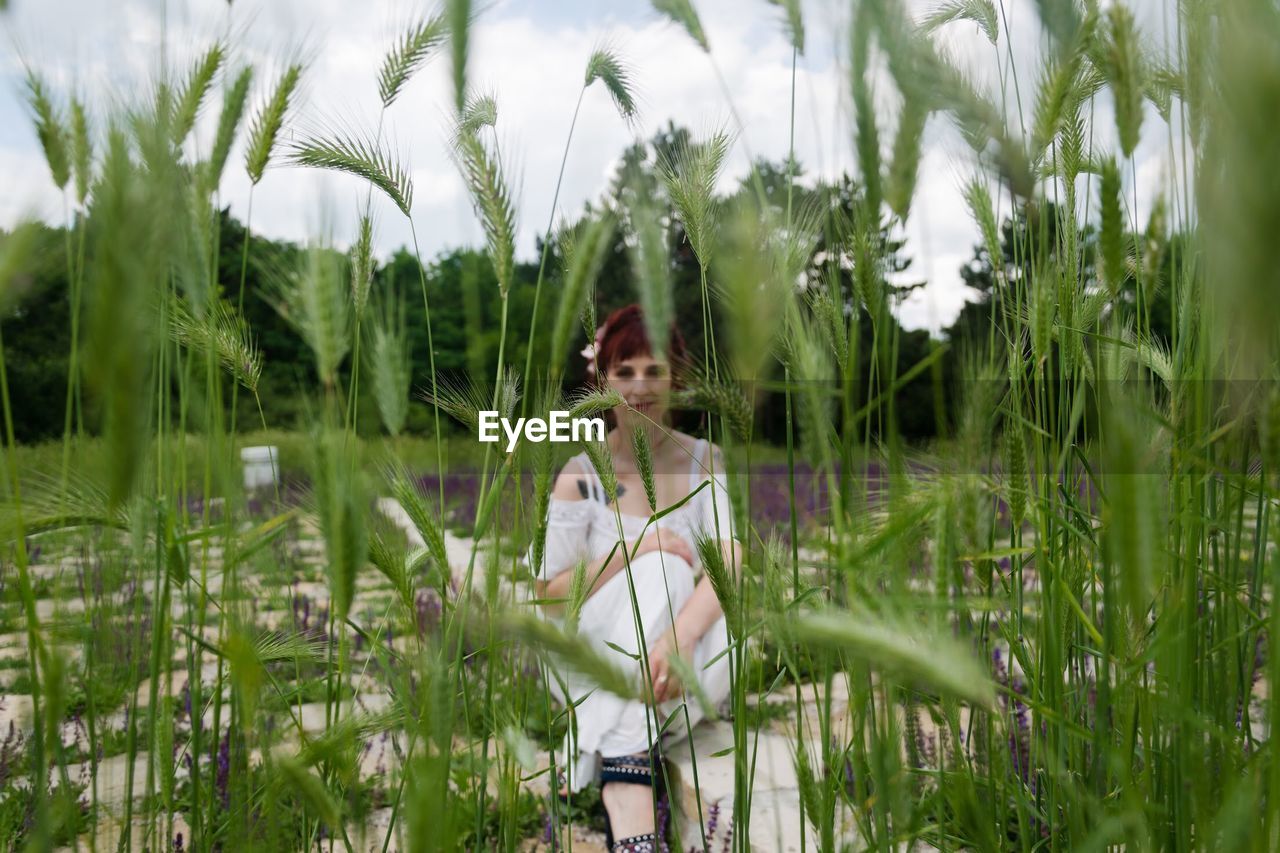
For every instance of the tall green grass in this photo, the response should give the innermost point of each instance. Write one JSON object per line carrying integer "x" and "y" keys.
{"x": 1051, "y": 630}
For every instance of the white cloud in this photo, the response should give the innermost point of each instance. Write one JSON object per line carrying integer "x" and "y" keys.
{"x": 29, "y": 191}
{"x": 535, "y": 67}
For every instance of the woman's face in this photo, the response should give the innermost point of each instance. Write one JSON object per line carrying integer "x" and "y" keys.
{"x": 645, "y": 383}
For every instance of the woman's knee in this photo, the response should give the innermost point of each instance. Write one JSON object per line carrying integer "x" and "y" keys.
{"x": 665, "y": 565}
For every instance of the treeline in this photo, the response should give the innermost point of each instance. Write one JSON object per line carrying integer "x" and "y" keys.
{"x": 461, "y": 288}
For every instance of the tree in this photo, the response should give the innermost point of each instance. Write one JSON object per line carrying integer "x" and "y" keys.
{"x": 1033, "y": 241}
{"x": 37, "y": 339}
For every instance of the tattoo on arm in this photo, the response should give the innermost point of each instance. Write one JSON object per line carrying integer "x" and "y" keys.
{"x": 585, "y": 491}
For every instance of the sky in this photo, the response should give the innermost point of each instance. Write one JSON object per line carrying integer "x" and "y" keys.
{"x": 531, "y": 55}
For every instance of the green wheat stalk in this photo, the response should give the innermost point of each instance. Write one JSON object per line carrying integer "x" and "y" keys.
{"x": 411, "y": 51}
{"x": 50, "y": 129}
{"x": 264, "y": 129}
{"x": 493, "y": 205}
{"x": 194, "y": 90}
{"x": 606, "y": 66}
{"x": 683, "y": 13}
{"x": 233, "y": 106}
{"x": 980, "y": 12}
{"x": 359, "y": 156}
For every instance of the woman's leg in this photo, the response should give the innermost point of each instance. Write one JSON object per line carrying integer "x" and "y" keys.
{"x": 663, "y": 583}
{"x": 630, "y": 808}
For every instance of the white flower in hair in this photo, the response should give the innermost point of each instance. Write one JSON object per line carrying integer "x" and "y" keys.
{"x": 591, "y": 350}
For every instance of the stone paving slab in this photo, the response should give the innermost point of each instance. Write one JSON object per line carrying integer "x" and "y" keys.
{"x": 107, "y": 836}
{"x": 775, "y": 802}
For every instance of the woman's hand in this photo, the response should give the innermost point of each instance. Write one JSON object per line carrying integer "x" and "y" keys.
{"x": 666, "y": 684}
{"x": 671, "y": 543}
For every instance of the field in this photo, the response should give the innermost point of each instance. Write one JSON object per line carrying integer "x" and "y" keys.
{"x": 1049, "y": 625}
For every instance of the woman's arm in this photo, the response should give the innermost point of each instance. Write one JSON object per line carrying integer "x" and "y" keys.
{"x": 602, "y": 569}
{"x": 702, "y": 610}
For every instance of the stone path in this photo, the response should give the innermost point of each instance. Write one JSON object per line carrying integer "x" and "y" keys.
{"x": 775, "y": 807}
{"x": 775, "y": 799}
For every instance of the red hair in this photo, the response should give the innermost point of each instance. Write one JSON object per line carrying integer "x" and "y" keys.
{"x": 625, "y": 336}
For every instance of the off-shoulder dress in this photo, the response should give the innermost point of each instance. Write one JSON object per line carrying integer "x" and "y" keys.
{"x": 585, "y": 530}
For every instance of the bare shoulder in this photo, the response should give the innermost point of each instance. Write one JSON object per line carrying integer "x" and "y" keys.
{"x": 715, "y": 461}
{"x": 709, "y": 456}
{"x": 713, "y": 454}
{"x": 571, "y": 483}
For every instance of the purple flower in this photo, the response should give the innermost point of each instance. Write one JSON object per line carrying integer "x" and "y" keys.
{"x": 427, "y": 611}
{"x": 660, "y": 827}
{"x": 224, "y": 770}
{"x": 9, "y": 750}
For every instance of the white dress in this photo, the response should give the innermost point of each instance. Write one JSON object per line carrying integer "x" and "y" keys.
{"x": 587, "y": 529}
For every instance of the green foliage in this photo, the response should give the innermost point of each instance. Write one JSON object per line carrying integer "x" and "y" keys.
{"x": 340, "y": 504}
{"x": 458, "y": 16}
{"x": 361, "y": 157}
{"x": 191, "y": 95}
{"x": 362, "y": 266}
{"x": 224, "y": 335}
{"x": 650, "y": 266}
{"x": 130, "y": 209}
{"x": 423, "y": 518}
{"x": 492, "y": 202}
{"x": 268, "y": 121}
{"x": 411, "y": 51}
{"x": 552, "y": 643}
{"x": 81, "y": 150}
{"x": 683, "y": 13}
{"x": 1126, "y": 75}
{"x": 602, "y": 461}
{"x": 794, "y": 21}
{"x": 643, "y": 452}
{"x": 605, "y": 66}
{"x": 690, "y": 173}
{"x": 1051, "y": 627}
{"x": 390, "y": 363}
{"x": 585, "y": 259}
{"x": 900, "y": 182}
{"x": 480, "y": 112}
{"x": 49, "y": 128}
{"x": 314, "y": 302}
{"x": 902, "y": 650}
{"x": 233, "y": 106}
{"x": 1112, "y": 234}
{"x": 1060, "y": 88}
{"x": 980, "y": 12}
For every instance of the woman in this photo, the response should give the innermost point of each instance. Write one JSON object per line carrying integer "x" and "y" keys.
{"x": 679, "y": 613}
